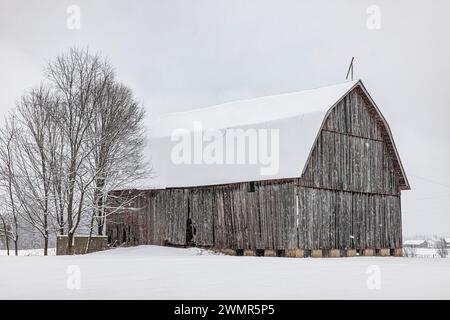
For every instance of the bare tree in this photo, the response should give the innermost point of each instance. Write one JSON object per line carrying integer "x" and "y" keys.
{"x": 33, "y": 159}
{"x": 409, "y": 252}
{"x": 4, "y": 230}
{"x": 441, "y": 248}
{"x": 71, "y": 141}
{"x": 25, "y": 163}
{"x": 76, "y": 77}
{"x": 118, "y": 140}
{"x": 8, "y": 145}
{"x": 106, "y": 147}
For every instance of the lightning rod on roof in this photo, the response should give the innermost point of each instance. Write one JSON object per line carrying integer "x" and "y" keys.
{"x": 350, "y": 70}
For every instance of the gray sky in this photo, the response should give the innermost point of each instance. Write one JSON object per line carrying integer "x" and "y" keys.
{"x": 183, "y": 54}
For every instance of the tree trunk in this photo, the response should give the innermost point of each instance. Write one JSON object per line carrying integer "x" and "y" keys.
{"x": 91, "y": 228}
{"x": 61, "y": 217}
{"x": 69, "y": 226}
{"x": 16, "y": 245}
{"x": 46, "y": 243}
{"x": 46, "y": 225}
{"x": 69, "y": 249}
{"x": 100, "y": 185}
{"x": 5, "y": 231}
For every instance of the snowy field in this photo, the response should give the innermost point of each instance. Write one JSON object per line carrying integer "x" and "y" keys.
{"x": 29, "y": 252}
{"x": 151, "y": 272}
{"x": 426, "y": 253}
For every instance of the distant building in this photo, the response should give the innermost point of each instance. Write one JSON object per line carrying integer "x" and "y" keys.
{"x": 415, "y": 244}
{"x": 433, "y": 243}
{"x": 447, "y": 242}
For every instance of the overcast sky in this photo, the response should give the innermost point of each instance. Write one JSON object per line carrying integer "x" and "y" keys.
{"x": 184, "y": 54}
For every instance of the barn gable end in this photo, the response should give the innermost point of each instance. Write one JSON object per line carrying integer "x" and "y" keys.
{"x": 349, "y": 192}
{"x": 354, "y": 151}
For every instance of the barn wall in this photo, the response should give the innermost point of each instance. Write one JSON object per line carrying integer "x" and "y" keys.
{"x": 231, "y": 216}
{"x": 281, "y": 215}
{"x": 348, "y": 220}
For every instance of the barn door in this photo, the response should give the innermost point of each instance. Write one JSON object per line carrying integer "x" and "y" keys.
{"x": 190, "y": 228}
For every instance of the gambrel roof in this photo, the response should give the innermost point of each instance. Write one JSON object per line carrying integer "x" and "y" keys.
{"x": 298, "y": 117}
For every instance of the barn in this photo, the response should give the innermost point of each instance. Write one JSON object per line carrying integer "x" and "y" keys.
{"x": 333, "y": 188}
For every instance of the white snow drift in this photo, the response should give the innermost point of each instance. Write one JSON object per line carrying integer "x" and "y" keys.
{"x": 150, "y": 272}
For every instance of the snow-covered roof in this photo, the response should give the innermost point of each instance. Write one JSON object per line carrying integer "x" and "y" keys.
{"x": 254, "y": 111}
{"x": 414, "y": 242}
{"x": 296, "y": 117}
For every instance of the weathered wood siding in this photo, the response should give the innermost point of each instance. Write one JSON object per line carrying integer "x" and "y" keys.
{"x": 281, "y": 215}
{"x": 347, "y": 198}
{"x": 349, "y": 195}
{"x": 228, "y": 216}
{"x": 348, "y": 220}
{"x": 350, "y": 153}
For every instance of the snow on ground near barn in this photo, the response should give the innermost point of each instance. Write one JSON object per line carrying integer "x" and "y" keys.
{"x": 151, "y": 272}
{"x": 29, "y": 252}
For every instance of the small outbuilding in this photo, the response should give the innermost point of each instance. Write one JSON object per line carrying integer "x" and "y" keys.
{"x": 416, "y": 244}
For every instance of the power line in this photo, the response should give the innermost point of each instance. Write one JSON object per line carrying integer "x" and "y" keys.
{"x": 431, "y": 181}
{"x": 428, "y": 210}
{"x": 430, "y": 197}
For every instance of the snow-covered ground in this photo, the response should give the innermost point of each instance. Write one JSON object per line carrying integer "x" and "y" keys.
{"x": 426, "y": 253}
{"x": 151, "y": 272}
{"x": 29, "y": 252}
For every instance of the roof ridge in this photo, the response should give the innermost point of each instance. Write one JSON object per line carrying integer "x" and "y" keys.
{"x": 168, "y": 114}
